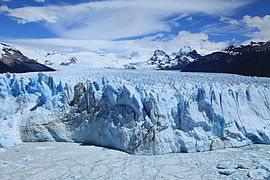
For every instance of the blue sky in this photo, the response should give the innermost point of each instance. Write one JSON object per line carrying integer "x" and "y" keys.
{"x": 207, "y": 25}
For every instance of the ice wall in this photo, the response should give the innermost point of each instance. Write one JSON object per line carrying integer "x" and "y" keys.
{"x": 182, "y": 116}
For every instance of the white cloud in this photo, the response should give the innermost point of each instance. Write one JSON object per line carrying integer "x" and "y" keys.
{"x": 189, "y": 18}
{"x": 32, "y": 14}
{"x": 175, "y": 24}
{"x": 114, "y": 19}
{"x": 3, "y": 8}
{"x": 41, "y": 1}
{"x": 229, "y": 20}
{"x": 261, "y": 25}
{"x": 198, "y": 41}
{"x": 256, "y": 28}
{"x": 145, "y": 46}
{"x": 6, "y": 0}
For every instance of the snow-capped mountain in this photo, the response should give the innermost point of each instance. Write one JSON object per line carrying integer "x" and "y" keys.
{"x": 186, "y": 51}
{"x": 52, "y": 58}
{"x": 177, "y": 60}
{"x": 251, "y": 59}
{"x": 239, "y": 49}
{"x": 160, "y": 59}
{"x": 12, "y": 60}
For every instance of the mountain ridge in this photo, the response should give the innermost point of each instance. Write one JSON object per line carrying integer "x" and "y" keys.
{"x": 252, "y": 60}
{"x": 13, "y": 61}
{"x": 176, "y": 61}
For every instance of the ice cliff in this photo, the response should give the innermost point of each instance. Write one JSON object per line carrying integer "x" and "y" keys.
{"x": 165, "y": 113}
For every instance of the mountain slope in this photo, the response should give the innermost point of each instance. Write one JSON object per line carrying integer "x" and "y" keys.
{"x": 160, "y": 59}
{"x": 52, "y": 58}
{"x": 251, "y": 60}
{"x": 13, "y": 61}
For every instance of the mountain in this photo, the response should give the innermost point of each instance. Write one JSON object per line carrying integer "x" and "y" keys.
{"x": 12, "y": 60}
{"x": 251, "y": 60}
{"x": 186, "y": 51}
{"x": 177, "y": 60}
{"x": 51, "y": 58}
{"x": 160, "y": 59}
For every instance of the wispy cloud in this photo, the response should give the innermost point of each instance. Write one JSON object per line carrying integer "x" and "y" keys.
{"x": 29, "y": 14}
{"x": 256, "y": 28}
{"x": 144, "y": 46}
{"x": 41, "y": 1}
{"x": 228, "y": 20}
{"x": 114, "y": 19}
{"x": 189, "y": 18}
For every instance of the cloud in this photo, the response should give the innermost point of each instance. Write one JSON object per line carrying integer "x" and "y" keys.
{"x": 175, "y": 24}
{"x": 6, "y": 0}
{"x": 3, "y": 8}
{"x": 255, "y": 28}
{"x": 144, "y": 46}
{"x": 32, "y": 14}
{"x": 261, "y": 27}
{"x": 189, "y": 18}
{"x": 228, "y": 20}
{"x": 41, "y": 1}
{"x": 224, "y": 29}
{"x": 198, "y": 41}
{"x": 114, "y": 19}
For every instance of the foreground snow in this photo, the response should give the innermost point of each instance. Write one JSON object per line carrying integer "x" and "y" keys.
{"x": 74, "y": 161}
{"x": 135, "y": 111}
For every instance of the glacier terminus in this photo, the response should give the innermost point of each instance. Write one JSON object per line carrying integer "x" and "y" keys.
{"x": 165, "y": 112}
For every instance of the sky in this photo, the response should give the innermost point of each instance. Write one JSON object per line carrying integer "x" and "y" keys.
{"x": 122, "y": 26}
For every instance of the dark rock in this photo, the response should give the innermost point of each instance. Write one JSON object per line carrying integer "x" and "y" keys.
{"x": 13, "y": 61}
{"x": 72, "y": 60}
{"x": 251, "y": 60}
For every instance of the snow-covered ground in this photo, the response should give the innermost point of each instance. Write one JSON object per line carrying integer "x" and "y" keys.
{"x": 109, "y": 60}
{"x": 89, "y": 59}
{"x": 74, "y": 161}
{"x": 1, "y": 50}
{"x": 49, "y": 58}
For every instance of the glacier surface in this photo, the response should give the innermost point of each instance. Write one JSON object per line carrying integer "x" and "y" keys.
{"x": 134, "y": 111}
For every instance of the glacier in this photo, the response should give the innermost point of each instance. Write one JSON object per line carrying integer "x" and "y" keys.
{"x": 135, "y": 111}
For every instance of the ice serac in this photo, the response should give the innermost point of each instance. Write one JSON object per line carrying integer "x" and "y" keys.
{"x": 113, "y": 112}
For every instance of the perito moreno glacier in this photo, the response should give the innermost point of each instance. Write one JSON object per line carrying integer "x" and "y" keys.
{"x": 163, "y": 112}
